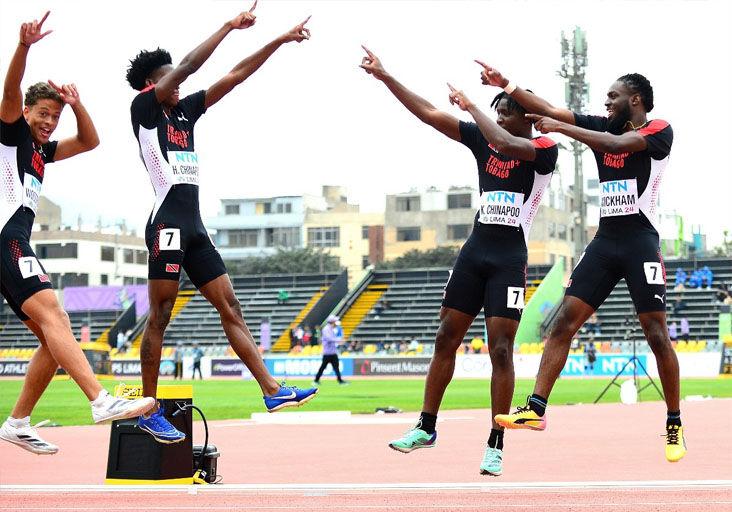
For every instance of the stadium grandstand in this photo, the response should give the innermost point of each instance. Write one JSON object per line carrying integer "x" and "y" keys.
{"x": 386, "y": 310}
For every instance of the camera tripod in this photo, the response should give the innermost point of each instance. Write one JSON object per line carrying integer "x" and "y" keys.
{"x": 636, "y": 362}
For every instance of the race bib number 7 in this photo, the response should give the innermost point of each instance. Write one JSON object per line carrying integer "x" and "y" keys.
{"x": 29, "y": 267}
{"x": 515, "y": 298}
{"x": 169, "y": 239}
{"x": 654, "y": 272}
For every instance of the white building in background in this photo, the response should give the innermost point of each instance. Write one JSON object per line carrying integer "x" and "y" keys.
{"x": 86, "y": 256}
{"x": 80, "y": 258}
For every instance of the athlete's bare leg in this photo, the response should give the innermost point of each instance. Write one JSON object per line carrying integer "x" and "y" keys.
{"x": 220, "y": 293}
{"x": 573, "y": 313}
{"x": 45, "y": 311}
{"x": 162, "y": 294}
{"x": 41, "y": 369}
{"x": 454, "y": 325}
{"x": 656, "y": 332}
{"x": 501, "y": 335}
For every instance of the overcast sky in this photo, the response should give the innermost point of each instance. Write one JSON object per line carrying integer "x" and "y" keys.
{"x": 311, "y": 116}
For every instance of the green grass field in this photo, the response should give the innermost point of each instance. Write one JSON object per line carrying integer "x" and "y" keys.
{"x": 64, "y": 403}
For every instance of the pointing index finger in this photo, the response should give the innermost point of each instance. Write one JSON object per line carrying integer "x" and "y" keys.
{"x": 368, "y": 52}
{"x": 481, "y": 63}
{"x": 452, "y": 89}
{"x": 254, "y": 6}
{"x": 533, "y": 117}
{"x": 44, "y": 18}
{"x": 306, "y": 20}
{"x": 52, "y": 84}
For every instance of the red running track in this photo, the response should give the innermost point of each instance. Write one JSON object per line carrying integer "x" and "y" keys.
{"x": 612, "y": 455}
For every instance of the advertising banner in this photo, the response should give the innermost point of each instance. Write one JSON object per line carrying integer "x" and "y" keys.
{"x": 391, "y": 366}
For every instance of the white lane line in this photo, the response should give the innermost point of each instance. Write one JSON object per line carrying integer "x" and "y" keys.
{"x": 672, "y": 506}
{"x": 432, "y": 486}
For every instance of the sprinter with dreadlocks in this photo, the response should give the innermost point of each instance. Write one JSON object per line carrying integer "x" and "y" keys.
{"x": 514, "y": 168}
{"x": 631, "y": 153}
{"x": 176, "y": 238}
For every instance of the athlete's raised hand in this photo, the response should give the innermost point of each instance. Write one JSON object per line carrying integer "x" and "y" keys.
{"x": 544, "y": 124}
{"x": 372, "y": 65}
{"x": 245, "y": 19}
{"x": 458, "y": 98}
{"x": 69, "y": 94}
{"x": 491, "y": 76}
{"x": 32, "y": 32}
{"x": 298, "y": 33}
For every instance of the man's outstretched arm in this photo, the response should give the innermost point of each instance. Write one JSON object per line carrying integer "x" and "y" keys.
{"x": 248, "y": 66}
{"x": 11, "y": 105}
{"x": 421, "y": 108}
{"x": 504, "y": 142}
{"x": 628, "y": 142}
{"x": 195, "y": 59}
{"x": 530, "y": 101}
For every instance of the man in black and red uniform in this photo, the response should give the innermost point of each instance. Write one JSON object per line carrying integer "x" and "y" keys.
{"x": 175, "y": 235}
{"x": 490, "y": 273}
{"x": 631, "y": 153}
{"x": 25, "y": 149}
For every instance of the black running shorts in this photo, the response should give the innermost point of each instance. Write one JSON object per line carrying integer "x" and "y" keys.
{"x": 490, "y": 273}
{"x": 179, "y": 241}
{"x": 635, "y": 257}
{"x": 21, "y": 274}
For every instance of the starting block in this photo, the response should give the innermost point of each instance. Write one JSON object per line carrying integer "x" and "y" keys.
{"x": 136, "y": 458}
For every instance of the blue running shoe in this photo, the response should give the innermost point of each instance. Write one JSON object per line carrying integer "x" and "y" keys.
{"x": 160, "y": 428}
{"x": 289, "y": 396}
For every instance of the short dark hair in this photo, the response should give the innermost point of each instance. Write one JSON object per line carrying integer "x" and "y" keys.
{"x": 512, "y": 104}
{"x": 638, "y": 84}
{"x": 143, "y": 65}
{"x": 41, "y": 91}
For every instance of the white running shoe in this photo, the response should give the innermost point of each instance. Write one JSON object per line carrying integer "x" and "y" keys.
{"x": 107, "y": 408}
{"x": 27, "y": 438}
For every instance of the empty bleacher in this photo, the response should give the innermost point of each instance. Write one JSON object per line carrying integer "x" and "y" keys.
{"x": 199, "y": 322}
{"x": 414, "y": 298}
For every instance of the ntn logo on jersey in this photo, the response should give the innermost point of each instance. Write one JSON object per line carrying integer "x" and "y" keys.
{"x": 172, "y": 268}
{"x": 185, "y": 157}
{"x": 499, "y": 196}
{"x": 618, "y": 186}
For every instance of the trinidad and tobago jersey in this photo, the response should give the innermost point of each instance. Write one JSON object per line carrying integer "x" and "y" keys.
{"x": 22, "y": 164}
{"x": 510, "y": 189}
{"x": 166, "y": 145}
{"x": 629, "y": 182}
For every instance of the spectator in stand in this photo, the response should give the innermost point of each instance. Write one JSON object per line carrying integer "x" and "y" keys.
{"x": 120, "y": 340}
{"x": 403, "y": 347}
{"x": 673, "y": 331}
{"x": 85, "y": 334}
{"x": 265, "y": 335}
{"x": 476, "y": 344}
{"x": 299, "y": 333}
{"x": 680, "y": 278}
{"x": 314, "y": 337}
{"x": 338, "y": 328}
{"x": 378, "y": 309}
{"x": 684, "y": 328}
{"x": 707, "y": 277}
{"x": 197, "y": 355}
{"x": 178, "y": 360}
{"x": 414, "y": 344}
{"x": 331, "y": 340}
{"x": 723, "y": 294}
{"x": 679, "y": 305}
{"x": 282, "y": 296}
{"x": 466, "y": 347}
{"x": 695, "y": 280}
{"x": 592, "y": 326}
{"x": 591, "y": 355}
{"x": 307, "y": 335}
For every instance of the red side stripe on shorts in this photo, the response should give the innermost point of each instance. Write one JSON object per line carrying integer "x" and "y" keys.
{"x": 654, "y": 126}
{"x": 543, "y": 142}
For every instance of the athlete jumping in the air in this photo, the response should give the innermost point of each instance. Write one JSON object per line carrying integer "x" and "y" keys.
{"x": 25, "y": 149}
{"x": 175, "y": 235}
{"x": 490, "y": 273}
{"x": 631, "y": 154}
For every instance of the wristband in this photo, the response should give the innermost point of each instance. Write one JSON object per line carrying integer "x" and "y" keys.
{"x": 510, "y": 87}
